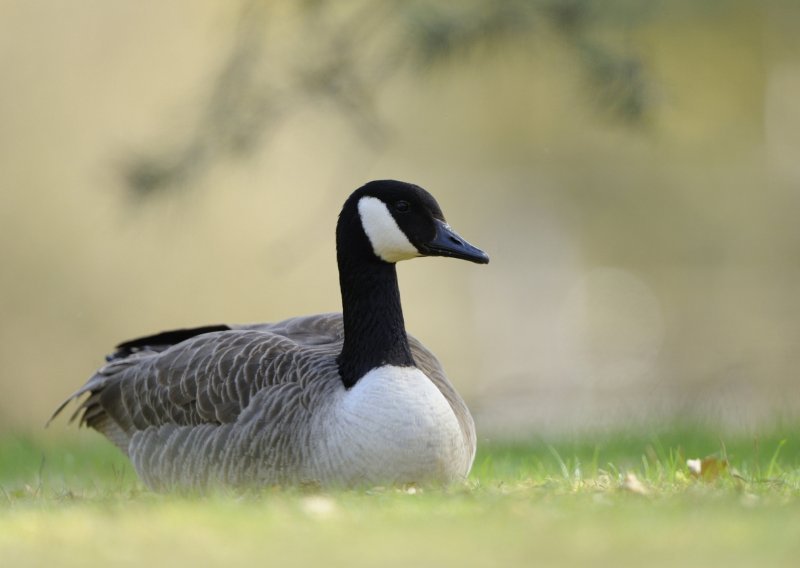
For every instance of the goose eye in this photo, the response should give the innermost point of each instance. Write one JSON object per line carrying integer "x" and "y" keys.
{"x": 402, "y": 206}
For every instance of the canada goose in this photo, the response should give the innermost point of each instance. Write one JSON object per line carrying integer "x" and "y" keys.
{"x": 332, "y": 399}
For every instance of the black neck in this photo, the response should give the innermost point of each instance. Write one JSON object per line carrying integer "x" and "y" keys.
{"x": 374, "y": 331}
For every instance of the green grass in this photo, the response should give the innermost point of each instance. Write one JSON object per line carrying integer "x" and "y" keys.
{"x": 78, "y": 503}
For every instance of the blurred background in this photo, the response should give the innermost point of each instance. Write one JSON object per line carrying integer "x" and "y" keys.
{"x": 631, "y": 167}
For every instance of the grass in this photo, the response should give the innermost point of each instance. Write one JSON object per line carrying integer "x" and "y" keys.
{"x": 622, "y": 499}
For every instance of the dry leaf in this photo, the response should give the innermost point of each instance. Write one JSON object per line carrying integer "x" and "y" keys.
{"x": 707, "y": 469}
{"x": 631, "y": 483}
{"x": 319, "y": 506}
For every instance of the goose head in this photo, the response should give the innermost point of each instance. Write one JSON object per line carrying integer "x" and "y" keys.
{"x": 391, "y": 221}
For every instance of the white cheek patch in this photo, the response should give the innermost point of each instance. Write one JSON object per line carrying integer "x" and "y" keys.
{"x": 388, "y": 241}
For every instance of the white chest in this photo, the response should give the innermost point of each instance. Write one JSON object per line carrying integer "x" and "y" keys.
{"x": 393, "y": 426}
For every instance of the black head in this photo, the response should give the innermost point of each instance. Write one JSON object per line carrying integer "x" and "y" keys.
{"x": 400, "y": 221}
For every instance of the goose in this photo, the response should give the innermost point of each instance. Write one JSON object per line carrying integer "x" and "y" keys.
{"x": 339, "y": 399}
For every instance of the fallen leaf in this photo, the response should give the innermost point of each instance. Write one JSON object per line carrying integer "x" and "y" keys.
{"x": 632, "y": 484}
{"x": 319, "y": 506}
{"x": 695, "y": 466}
{"x": 707, "y": 469}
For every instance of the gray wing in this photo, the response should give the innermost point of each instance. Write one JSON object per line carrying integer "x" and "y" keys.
{"x": 186, "y": 413}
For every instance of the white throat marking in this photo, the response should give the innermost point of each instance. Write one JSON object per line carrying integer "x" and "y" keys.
{"x": 388, "y": 241}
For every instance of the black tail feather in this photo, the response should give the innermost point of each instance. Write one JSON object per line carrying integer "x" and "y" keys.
{"x": 162, "y": 340}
